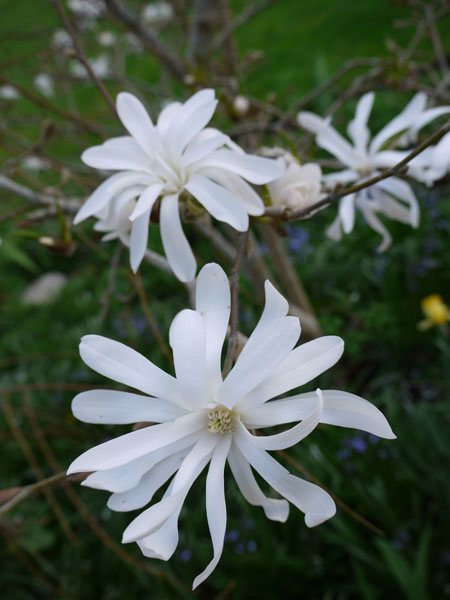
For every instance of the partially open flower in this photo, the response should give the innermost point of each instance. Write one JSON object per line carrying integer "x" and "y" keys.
{"x": 202, "y": 419}
{"x": 298, "y": 188}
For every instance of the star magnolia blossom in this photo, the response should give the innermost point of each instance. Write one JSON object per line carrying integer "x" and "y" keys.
{"x": 176, "y": 155}
{"x": 203, "y": 419}
{"x": 299, "y": 186}
{"x": 392, "y": 197}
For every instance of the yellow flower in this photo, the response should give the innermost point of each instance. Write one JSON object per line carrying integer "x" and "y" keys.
{"x": 435, "y": 310}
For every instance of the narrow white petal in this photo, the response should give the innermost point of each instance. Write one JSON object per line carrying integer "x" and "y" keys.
{"x": 402, "y": 190}
{"x": 357, "y": 128}
{"x": 218, "y": 201}
{"x": 138, "y": 239}
{"x": 374, "y": 223}
{"x": 344, "y": 176}
{"x": 428, "y": 116}
{"x": 275, "y": 307}
{"x": 265, "y": 349}
{"x": 213, "y": 303}
{"x": 117, "y": 154}
{"x": 339, "y": 408}
{"x": 216, "y": 510}
{"x": 142, "y": 494}
{"x": 277, "y": 510}
{"x": 328, "y": 138}
{"x": 113, "y": 407}
{"x": 123, "y": 364}
{"x": 154, "y": 517}
{"x": 301, "y": 366}
{"x": 99, "y": 198}
{"x": 334, "y": 231}
{"x": 240, "y": 189}
{"x": 135, "y": 118}
{"x": 347, "y": 212}
{"x": 188, "y": 341}
{"x": 200, "y": 147}
{"x": 286, "y": 439}
{"x": 166, "y": 116}
{"x": 163, "y": 542}
{"x": 252, "y": 168}
{"x": 176, "y": 246}
{"x": 127, "y": 476}
{"x": 311, "y": 499}
{"x": 146, "y": 200}
{"x": 126, "y": 448}
{"x": 190, "y": 119}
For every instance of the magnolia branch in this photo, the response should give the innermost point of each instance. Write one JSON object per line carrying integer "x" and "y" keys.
{"x": 400, "y": 168}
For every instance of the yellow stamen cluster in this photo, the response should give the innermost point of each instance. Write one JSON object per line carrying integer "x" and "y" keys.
{"x": 220, "y": 420}
{"x": 435, "y": 311}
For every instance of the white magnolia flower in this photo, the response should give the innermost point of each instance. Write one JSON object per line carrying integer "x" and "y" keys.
{"x": 157, "y": 13}
{"x": 107, "y": 38}
{"x": 61, "y": 39}
{"x": 203, "y": 419}
{"x": 364, "y": 159}
{"x": 299, "y": 186}
{"x": 44, "y": 84}
{"x": 177, "y": 154}
{"x": 100, "y": 65}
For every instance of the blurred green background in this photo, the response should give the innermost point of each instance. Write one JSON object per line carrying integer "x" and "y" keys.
{"x": 68, "y": 546}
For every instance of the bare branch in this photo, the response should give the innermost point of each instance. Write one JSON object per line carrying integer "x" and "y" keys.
{"x": 68, "y": 205}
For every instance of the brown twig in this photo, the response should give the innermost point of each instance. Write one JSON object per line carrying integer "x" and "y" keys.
{"x": 82, "y": 56}
{"x": 234, "y": 318}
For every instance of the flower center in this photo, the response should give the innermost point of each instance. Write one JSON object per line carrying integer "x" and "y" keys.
{"x": 220, "y": 420}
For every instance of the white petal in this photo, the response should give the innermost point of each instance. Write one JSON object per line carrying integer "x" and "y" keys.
{"x": 388, "y": 158}
{"x": 345, "y": 176}
{"x": 277, "y": 510}
{"x": 163, "y": 542}
{"x": 252, "y": 168}
{"x": 402, "y": 190}
{"x": 218, "y": 202}
{"x": 426, "y": 117}
{"x": 285, "y": 439}
{"x": 339, "y": 408}
{"x": 301, "y": 366}
{"x": 166, "y": 116}
{"x": 395, "y": 210}
{"x": 127, "y": 476}
{"x": 347, "y": 212}
{"x": 239, "y": 188}
{"x": 374, "y": 223}
{"x": 151, "y": 519}
{"x": 201, "y": 146}
{"x": 138, "y": 239}
{"x": 334, "y": 231}
{"x": 190, "y": 119}
{"x": 123, "y": 364}
{"x": 176, "y": 246}
{"x": 188, "y": 341}
{"x": 99, "y": 198}
{"x": 328, "y": 138}
{"x": 117, "y": 154}
{"x": 357, "y": 128}
{"x": 213, "y": 303}
{"x": 317, "y": 505}
{"x": 275, "y": 307}
{"x": 136, "y": 120}
{"x": 216, "y": 510}
{"x": 146, "y": 200}
{"x": 113, "y": 407}
{"x": 126, "y": 448}
{"x": 142, "y": 494}
{"x": 402, "y": 122}
{"x": 265, "y": 349}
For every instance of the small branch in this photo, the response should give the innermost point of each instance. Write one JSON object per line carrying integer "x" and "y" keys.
{"x": 398, "y": 169}
{"x": 154, "y": 45}
{"x": 234, "y": 287}
{"x": 24, "y": 492}
{"x": 82, "y": 56}
{"x": 69, "y": 205}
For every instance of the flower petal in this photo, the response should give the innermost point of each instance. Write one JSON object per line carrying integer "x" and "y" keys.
{"x": 311, "y": 499}
{"x": 154, "y": 517}
{"x": 146, "y": 200}
{"x": 138, "y": 240}
{"x": 285, "y": 439}
{"x": 357, "y": 128}
{"x": 137, "y": 121}
{"x": 204, "y": 143}
{"x": 126, "y": 448}
{"x": 190, "y": 119}
{"x": 216, "y": 510}
{"x": 176, "y": 246}
{"x": 276, "y": 510}
{"x": 328, "y": 138}
{"x": 117, "y": 154}
{"x": 339, "y": 408}
{"x": 188, "y": 341}
{"x": 213, "y": 303}
{"x": 301, "y": 366}
{"x": 426, "y": 117}
{"x": 265, "y": 349}
{"x": 142, "y": 494}
{"x": 123, "y": 364}
{"x": 347, "y": 212}
{"x": 374, "y": 223}
{"x": 255, "y": 169}
{"x": 218, "y": 201}
{"x": 113, "y": 407}
{"x": 239, "y": 188}
{"x": 99, "y": 198}
{"x": 402, "y": 190}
